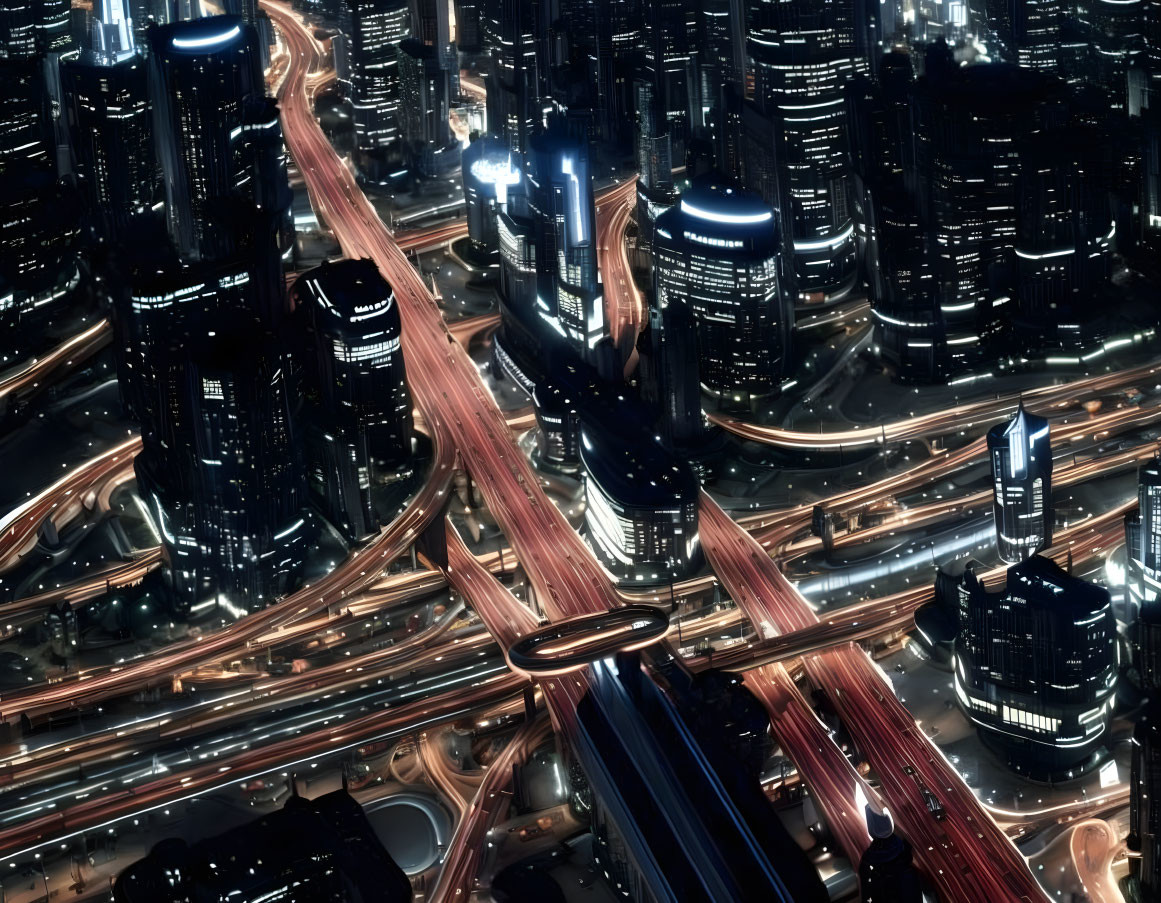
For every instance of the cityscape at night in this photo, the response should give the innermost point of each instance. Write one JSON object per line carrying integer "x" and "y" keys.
{"x": 580, "y": 451}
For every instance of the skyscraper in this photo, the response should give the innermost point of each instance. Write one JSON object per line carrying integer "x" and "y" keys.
{"x": 670, "y": 372}
{"x": 1143, "y": 572}
{"x": 559, "y": 195}
{"x": 221, "y": 471}
{"x": 110, "y": 122}
{"x": 426, "y": 105}
{"x": 887, "y": 873}
{"x": 514, "y": 76}
{"x": 219, "y": 149}
{"x": 1145, "y": 801}
{"x": 1021, "y": 455}
{"x": 803, "y": 54}
{"x": 1064, "y": 237}
{"x": 489, "y": 170}
{"x": 1028, "y": 31}
{"x": 640, "y": 505}
{"x": 969, "y": 124}
{"x": 368, "y": 64}
{"x": 1036, "y": 667}
{"x": 717, "y": 251}
{"x": 360, "y": 419}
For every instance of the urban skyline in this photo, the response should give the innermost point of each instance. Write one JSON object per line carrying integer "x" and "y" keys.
{"x": 526, "y": 450}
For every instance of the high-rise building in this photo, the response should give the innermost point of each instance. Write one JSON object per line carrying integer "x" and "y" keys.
{"x": 803, "y": 53}
{"x": 655, "y": 189}
{"x": 42, "y": 268}
{"x": 640, "y": 505}
{"x": 669, "y": 66}
{"x": 1036, "y": 667}
{"x": 1021, "y": 455}
{"x": 110, "y": 122}
{"x": 969, "y": 124}
{"x": 1064, "y": 238}
{"x": 646, "y": 752}
{"x": 220, "y": 149}
{"x": 1143, "y": 571}
{"x": 368, "y": 64}
{"x": 26, "y": 140}
{"x": 318, "y": 849}
{"x": 514, "y": 77}
{"x": 425, "y": 87}
{"x": 670, "y": 372}
{"x": 558, "y": 430}
{"x": 559, "y": 197}
{"x": 1028, "y": 31}
{"x": 718, "y": 251}
{"x": 221, "y": 471}
{"x": 887, "y": 873}
{"x": 360, "y": 422}
{"x": 489, "y": 170}
{"x": 1145, "y": 802}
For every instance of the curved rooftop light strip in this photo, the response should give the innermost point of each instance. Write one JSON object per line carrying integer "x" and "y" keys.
{"x": 212, "y": 40}
{"x": 735, "y": 219}
{"x": 825, "y": 242}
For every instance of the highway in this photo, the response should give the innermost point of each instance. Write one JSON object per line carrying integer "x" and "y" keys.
{"x": 360, "y": 571}
{"x": 69, "y": 497}
{"x": 624, "y": 304}
{"x": 23, "y": 382}
{"x": 1044, "y": 400}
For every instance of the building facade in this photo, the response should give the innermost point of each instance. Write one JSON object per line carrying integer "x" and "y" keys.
{"x": 1036, "y": 667}
{"x": 1021, "y": 456}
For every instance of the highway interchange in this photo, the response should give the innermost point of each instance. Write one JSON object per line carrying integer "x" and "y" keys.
{"x": 245, "y": 726}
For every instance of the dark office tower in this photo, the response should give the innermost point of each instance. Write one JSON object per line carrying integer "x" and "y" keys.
{"x": 647, "y": 752}
{"x": 489, "y": 171}
{"x": 361, "y": 427}
{"x": 803, "y": 54}
{"x": 1145, "y": 803}
{"x": 17, "y": 31}
{"x": 369, "y": 65}
{"x": 1036, "y": 666}
{"x": 1028, "y": 30}
{"x": 1064, "y": 235}
{"x": 969, "y": 122}
{"x": 640, "y": 506}
{"x": 423, "y": 115}
{"x": 216, "y": 132}
{"x": 669, "y": 372}
{"x": 26, "y": 139}
{"x": 1143, "y": 572}
{"x": 887, "y": 873}
{"x": 718, "y": 252}
{"x": 469, "y": 27}
{"x": 670, "y": 63}
{"x": 221, "y": 471}
{"x": 558, "y": 439}
{"x": 655, "y": 189}
{"x": 1116, "y": 34}
{"x": 316, "y": 850}
{"x": 560, "y": 201}
{"x": 110, "y": 123}
{"x": 41, "y": 268}
{"x": 1021, "y": 454}
{"x": 513, "y": 77}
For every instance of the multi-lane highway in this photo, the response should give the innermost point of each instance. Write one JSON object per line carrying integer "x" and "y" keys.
{"x": 21, "y": 383}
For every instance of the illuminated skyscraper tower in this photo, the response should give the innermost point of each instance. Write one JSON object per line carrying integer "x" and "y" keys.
{"x": 717, "y": 252}
{"x": 803, "y": 53}
{"x": 110, "y": 123}
{"x": 221, "y": 472}
{"x": 368, "y": 65}
{"x": 220, "y": 148}
{"x": 1021, "y": 455}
